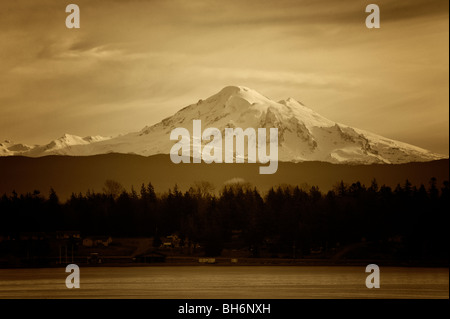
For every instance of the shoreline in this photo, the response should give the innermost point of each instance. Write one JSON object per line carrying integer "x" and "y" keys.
{"x": 247, "y": 262}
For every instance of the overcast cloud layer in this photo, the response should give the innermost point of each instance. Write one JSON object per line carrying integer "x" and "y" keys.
{"x": 133, "y": 63}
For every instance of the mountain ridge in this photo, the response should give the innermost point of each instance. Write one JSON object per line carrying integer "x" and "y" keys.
{"x": 75, "y": 174}
{"x": 304, "y": 135}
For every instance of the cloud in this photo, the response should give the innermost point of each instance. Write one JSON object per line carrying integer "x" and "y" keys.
{"x": 235, "y": 180}
{"x": 133, "y": 63}
{"x": 303, "y": 79}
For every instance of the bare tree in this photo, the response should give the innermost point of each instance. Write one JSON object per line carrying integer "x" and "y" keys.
{"x": 203, "y": 188}
{"x": 113, "y": 188}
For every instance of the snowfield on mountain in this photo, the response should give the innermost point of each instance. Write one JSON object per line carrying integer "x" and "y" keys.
{"x": 303, "y": 135}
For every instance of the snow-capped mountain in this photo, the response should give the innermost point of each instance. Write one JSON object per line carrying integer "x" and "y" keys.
{"x": 303, "y": 135}
{"x": 60, "y": 146}
{"x": 8, "y": 148}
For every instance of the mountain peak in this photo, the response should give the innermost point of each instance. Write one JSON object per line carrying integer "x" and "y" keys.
{"x": 239, "y": 90}
{"x": 239, "y": 97}
{"x": 303, "y": 134}
{"x": 69, "y": 136}
{"x": 232, "y": 89}
{"x": 75, "y": 139}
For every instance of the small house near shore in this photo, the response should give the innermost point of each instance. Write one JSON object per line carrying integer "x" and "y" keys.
{"x": 97, "y": 241}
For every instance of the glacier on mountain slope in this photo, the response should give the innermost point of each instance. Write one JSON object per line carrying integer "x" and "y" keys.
{"x": 303, "y": 135}
{"x": 9, "y": 148}
{"x": 60, "y": 146}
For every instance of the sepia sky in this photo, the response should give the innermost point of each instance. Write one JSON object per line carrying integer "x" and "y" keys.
{"x": 133, "y": 63}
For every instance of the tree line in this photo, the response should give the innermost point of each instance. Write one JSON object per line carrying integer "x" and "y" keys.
{"x": 412, "y": 218}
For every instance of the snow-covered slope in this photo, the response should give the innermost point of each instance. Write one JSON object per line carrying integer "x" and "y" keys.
{"x": 303, "y": 135}
{"x": 63, "y": 145}
{"x": 8, "y": 148}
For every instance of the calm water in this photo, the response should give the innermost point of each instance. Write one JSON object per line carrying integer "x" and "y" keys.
{"x": 185, "y": 282}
